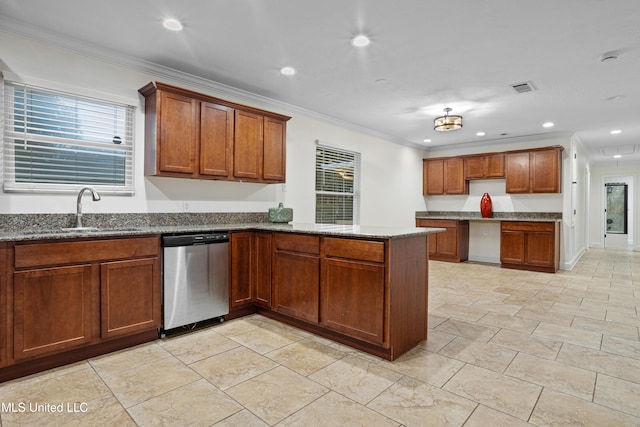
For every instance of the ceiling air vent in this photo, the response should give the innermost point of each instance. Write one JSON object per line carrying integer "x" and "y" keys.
{"x": 523, "y": 87}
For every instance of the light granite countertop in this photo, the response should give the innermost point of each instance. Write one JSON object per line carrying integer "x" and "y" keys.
{"x": 495, "y": 216}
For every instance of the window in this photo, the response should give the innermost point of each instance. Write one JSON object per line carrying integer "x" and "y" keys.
{"x": 337, "y": 186}
{"x": 56, "y": 142}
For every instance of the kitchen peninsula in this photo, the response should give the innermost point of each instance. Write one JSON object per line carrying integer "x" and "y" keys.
{"x": 366, "y": 287}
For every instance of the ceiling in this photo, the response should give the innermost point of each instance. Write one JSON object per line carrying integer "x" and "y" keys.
{"x": 423, "y": 56}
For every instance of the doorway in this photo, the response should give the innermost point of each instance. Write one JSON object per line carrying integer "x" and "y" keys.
{"x": 618, "y": 217}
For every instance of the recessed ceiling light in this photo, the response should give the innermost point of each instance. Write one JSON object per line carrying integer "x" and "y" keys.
{"x": 616, "y": 131}
{"x": 547, "y": 125}
{"x": 617, "y": 156}
{"x": 288, "y": 71}
{"x": 360, "y": 41}
{"x": 172, "y": 24}
{"x": 426, "y": 140}
{"x": 480, "y": 134}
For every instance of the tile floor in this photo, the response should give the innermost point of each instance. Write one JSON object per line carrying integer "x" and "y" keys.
{"x": 506, "y": 348}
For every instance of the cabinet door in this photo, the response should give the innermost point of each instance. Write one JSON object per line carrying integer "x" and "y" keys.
{"x": 353, "y": 298}
{"x": 454, "y": 182}
{"x": 5, "y": 321}
{"x": 216, "y": 139}
{"x": 274, "y": 150}
{"x": 447, "y": 242}
{"x": 242, "y": 272}
{"x": 52, "y": 310}
{"x": 296, "y": 284}
{"x": 247, "y": 150}
{"x": 517, "y": 173}
{"x": 512, "y": 247}
{"x": 493, "y": 166}
{"x": 433, "y": 176}
{"x": 545, "y": 171}
{"x": 540, "y": 249}
{"x": 178, "y": 128}
{"x": 130, "y": 294}
{"x": 473, "y": 167}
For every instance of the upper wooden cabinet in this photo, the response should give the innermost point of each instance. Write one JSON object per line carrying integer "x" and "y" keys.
{"x": 485, "y": 166}
{"x": 526, "y": 171}
{"x": 534, "y": 171}
{"x": 191, "y": 135}
{"x": 444, "y": 176}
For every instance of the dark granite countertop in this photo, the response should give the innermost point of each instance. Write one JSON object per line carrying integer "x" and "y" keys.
{"x": 495, "y": 216}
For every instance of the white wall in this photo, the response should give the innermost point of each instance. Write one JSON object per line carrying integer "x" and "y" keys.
{"x": 391, "y": 173}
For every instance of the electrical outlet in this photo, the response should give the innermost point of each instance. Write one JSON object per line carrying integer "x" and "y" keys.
{"x": 185, "y": 206}
{"x": 485, "y": 231}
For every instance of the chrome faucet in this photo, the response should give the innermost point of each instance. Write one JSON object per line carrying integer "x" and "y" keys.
{"x": 95, "y": 196}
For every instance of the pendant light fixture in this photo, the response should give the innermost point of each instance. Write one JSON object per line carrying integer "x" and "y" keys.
{"x": 446, "y": 123}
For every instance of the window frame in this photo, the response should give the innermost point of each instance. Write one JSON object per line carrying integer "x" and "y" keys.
{"x": 320, "y": 217}
{"x": 58, "y": 144}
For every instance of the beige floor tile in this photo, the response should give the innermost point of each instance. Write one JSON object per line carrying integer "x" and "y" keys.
{"x": 333, "y": 409}
{"x": 558, "y": 409}
{"x": 123, "y": 360}
{"x": 190, "y": 348}
{"x": 425, "y": 366}
{"x": 264, "y": 340}
{"x": 276, "y": 394}
{"x": 414, "y": 403}
{"x": 626, "y": 319}
{"x": 236, "y": 326}
{"x": 460, "y": 312}
{"x": 562, "y": 319}
{"x": 472, "y": 331}
{"x": 514, "y": 323}
{"x": 227, "y": 369}
{"x": 497, "y": 308}
{"x": 596, "y": 311}
{"x": 306, "y": 356}
{"x": 356, "y": 378}
{"x": 487, "y": 417}
{"x": 618, "y": 394}
{"x": 537, "y": 346}
{"x": 600, "y": 361}
{"x": 243, "y": 418}
{"x": 436, "y": 340}
{"x": 195, "y": 404}
{"x": 497, "y": 391}
{"x": 606, "y": 327}
{"x": 558, "y": 376}
{"x": 488, "y": 356}
{"x": 135, "y": 385}
{"x": 621, "y": 346}
{"x": 567, "y": 334}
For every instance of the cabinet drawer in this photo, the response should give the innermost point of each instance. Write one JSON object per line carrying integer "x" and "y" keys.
{"x": 528, "y": 226}
{"x": 297, "y": 243}
{"x": 437, "y": 223}
{"x": 354, "y": 249}
{"x": 85, "y": 251}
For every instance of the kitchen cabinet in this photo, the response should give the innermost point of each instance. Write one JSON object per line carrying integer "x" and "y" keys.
{"x": 451, "y": 245}
{"x": 353, "y": 288}
{"x": 296, "y": 271}
{"x": 191, "y": 135}
{"x": 534, "y": 171}
{"x": 6, "y": 331}
{"x": 92, "y": 296}
{"x": 250, "y": 268}
{"x": 530, "y": 245}
{"x": 485, "y": 166}
{"x": 444, "y": 176}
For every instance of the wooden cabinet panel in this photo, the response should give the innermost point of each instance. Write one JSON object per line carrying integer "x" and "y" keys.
{"x": 517, "y": 172}
{"x": 363, "y": 250}
{"x": 474, "y": 167}
{"x": 52, "y": 310}
{"x": 545, "y": 171}
{"x": 274, "y": 152}
{"x": 353, "y": 298}
{"x": 247, "y": 152}
{"x": 263, "y": 268}
{"x": 297, "y": 243}
{"x": 433, "y": 176}
{"x": 454, "y": 181}
{"x": 216, "y": 139}
{"x": 296, "y": 285}
{"x": 6, "y": 322}
{"x": 451, "y": 245}
{"x": 530, "y": 245}
{"x": 130, "y": 297}
{"x": 178, "y": 127}
{"x": 242, "y": 279}
{"x": 493, "y": 166}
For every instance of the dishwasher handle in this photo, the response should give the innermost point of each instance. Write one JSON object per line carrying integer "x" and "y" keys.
{"x": 194, "y": 239}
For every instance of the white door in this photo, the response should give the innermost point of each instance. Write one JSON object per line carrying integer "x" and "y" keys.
{"x": 616, "y": 215}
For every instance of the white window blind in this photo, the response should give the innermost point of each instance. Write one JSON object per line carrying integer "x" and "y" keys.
{"x": 337, "y": 186}
{"x": 56, "y": 142}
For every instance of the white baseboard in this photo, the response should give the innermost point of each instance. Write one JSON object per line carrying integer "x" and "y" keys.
{"x": 490, "y": 260}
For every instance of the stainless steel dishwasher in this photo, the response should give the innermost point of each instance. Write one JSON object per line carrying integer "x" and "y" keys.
{"x": 195, "y": 278}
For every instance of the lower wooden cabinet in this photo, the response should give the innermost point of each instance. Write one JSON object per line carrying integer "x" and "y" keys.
{"x": 451, "y": 245}
{"x": 296, "y": 268}
{"x": 78, "y": 296}
{"x": 250, "y": 269}
{"x": 530, "y": 245}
